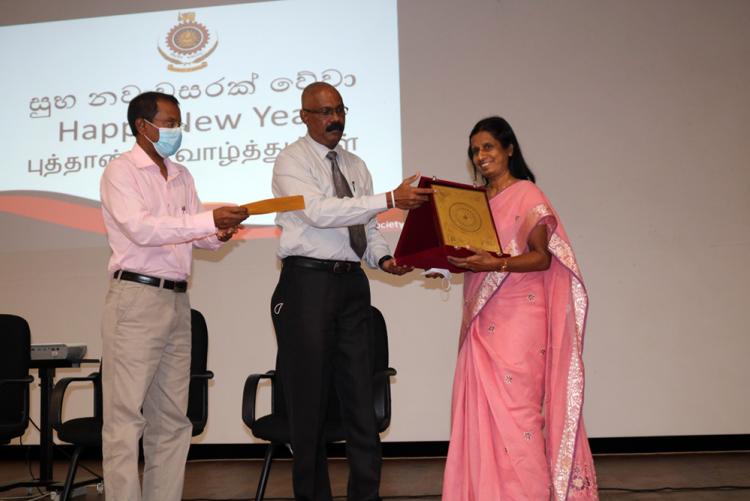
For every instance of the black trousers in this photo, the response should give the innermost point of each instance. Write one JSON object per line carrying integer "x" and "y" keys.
{"x": 322, "y": 322}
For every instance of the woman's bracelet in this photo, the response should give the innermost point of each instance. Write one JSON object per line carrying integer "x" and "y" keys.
{"x": 504, "y": 267}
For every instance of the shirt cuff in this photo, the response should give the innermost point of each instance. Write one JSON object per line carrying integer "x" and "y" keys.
{"x": 204, "y": 221}
{"x": 385, "y": 201}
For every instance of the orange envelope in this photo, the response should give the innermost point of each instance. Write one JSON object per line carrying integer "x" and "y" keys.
{"x": 281, "y": 204}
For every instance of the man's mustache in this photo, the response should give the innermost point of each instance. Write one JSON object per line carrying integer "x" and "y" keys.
{"x": 335, "y": 126}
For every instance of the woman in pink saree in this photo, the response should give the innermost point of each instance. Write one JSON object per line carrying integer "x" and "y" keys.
{"x": 517, "y": 430}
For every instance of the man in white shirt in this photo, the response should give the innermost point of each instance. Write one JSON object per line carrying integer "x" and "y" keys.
{"x": 321, "y": 305}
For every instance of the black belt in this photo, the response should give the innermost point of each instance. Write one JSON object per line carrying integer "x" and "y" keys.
{"x": 322, "y": 264}
{"x": 147, "y": 280}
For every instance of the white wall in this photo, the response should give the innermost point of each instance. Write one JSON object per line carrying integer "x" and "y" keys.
{"x": 632, "y": 115}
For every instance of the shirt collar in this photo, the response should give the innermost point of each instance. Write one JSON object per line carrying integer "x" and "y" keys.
{"x": 142, "y": 160}
{"x": 321, "y": 149}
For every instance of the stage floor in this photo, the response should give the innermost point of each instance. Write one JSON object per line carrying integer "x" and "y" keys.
{"x": 409, "y": 479}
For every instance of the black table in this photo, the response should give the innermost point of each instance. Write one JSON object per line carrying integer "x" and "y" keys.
{"x": 46, "y": 369}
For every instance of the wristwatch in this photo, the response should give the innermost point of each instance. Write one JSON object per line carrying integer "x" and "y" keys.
{"x": 383, "y": 260}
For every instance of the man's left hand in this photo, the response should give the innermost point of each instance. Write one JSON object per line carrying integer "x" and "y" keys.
{"x": 390, "y": 266}
{"x": 225, "y": 235}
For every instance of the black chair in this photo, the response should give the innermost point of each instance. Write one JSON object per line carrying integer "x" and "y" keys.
{"x": 199, "y": 374}
{"x": 274, "y": 427}
{"x": 15, "y": 356}
{"x": 87, "y": 431}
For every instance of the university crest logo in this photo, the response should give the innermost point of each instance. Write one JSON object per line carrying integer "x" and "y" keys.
{"x": 188, "y": 44}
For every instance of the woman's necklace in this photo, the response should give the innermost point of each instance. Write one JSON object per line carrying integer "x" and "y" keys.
{"x": 494, "y": 190}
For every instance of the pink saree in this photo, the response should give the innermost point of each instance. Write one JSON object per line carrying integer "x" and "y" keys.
{"x": 517, "y": 431}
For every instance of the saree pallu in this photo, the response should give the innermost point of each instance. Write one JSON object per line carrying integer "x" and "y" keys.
{"x": 517, "y": 430}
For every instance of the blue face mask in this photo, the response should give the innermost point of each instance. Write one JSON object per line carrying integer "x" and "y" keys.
{"x": 169, "y": 141}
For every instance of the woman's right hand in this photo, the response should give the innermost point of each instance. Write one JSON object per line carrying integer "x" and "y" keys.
{"x": 481, "y": 260}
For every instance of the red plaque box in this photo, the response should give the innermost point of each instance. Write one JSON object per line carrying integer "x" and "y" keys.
{"x": 456, "y": 215}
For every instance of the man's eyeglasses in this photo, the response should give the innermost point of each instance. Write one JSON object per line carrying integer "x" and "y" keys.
{"x": 328, "y": 111}
{"x": 166, "y": 124}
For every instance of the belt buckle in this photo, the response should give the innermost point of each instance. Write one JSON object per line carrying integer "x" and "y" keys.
{"x": 341, "y": 267}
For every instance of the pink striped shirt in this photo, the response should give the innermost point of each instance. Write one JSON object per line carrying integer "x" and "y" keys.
{"x": 152, "y": 223}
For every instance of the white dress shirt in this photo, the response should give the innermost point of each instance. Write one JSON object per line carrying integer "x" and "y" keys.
{"x": 320, "y": 231}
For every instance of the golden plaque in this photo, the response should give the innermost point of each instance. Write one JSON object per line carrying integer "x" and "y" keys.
{"x": 464, "y": 218}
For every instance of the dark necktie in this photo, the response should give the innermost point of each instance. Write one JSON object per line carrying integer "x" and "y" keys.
{"x": 357, "y": 236}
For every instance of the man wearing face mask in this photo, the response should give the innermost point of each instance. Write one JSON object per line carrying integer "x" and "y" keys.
{"x": 321, "y": 305}
{"x": 153, "y": 219}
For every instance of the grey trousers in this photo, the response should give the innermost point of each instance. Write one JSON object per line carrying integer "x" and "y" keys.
{"x": 145, "y": 379}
